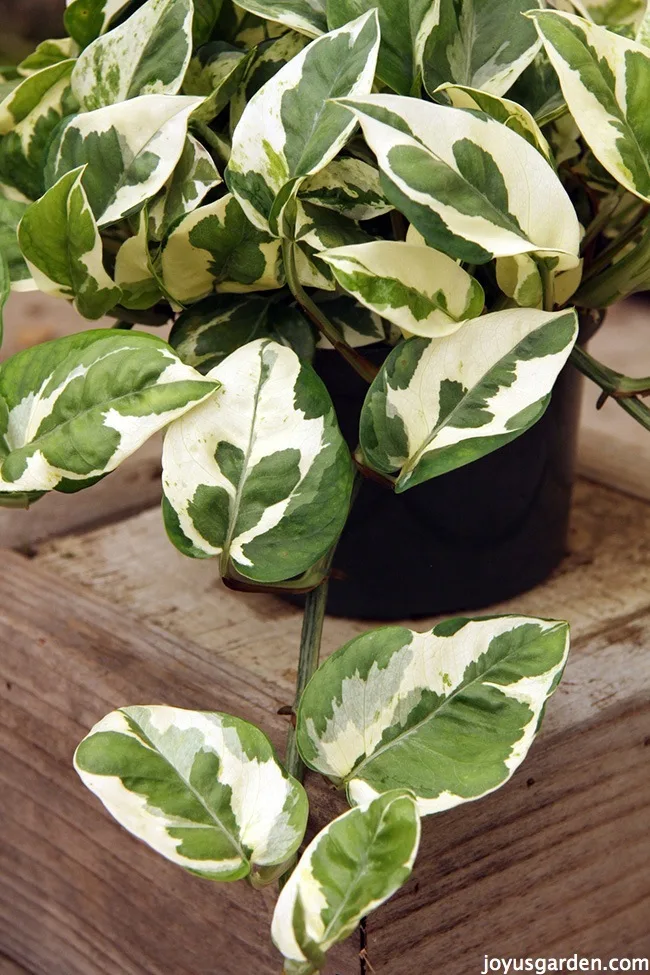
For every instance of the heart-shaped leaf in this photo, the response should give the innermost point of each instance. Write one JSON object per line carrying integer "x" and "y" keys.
{"x": 350, "y": 869}
{"x": 60, "y": 241}
{"x": 259, "y": 474}
{"x": 473, "y": 188}
{"x": 216, "y": 248}
{"x": 470, "y": 44}
{"x": 605, "y": 79}
{"x": 349, "y": 186}
{"x": 291, "y": 129}
{"x": 80, "y": 405}
{"x": 439, "y": 404}
{"x": 404, "y": 26}
{"x": 449, "y": 714}
{"x": 130, "y": 151}
{"x": 420, "y": 290}
{"x": 29, "y": 115}
{"x": 147, "y": 54}
{"x": 203, "y": 789}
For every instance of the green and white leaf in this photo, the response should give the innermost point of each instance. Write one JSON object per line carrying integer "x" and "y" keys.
{"x": 60, "y": 242}
{"x": 440, "y": 404}
{"x": 538, "y": 90}
{"x": 194, "y": 176}
{"x": 46, "y": 54}
{"x": 29, "y": 115}
{"x": 305, "y": 16}
{"x": 80, "y": 405}
{"x": 605, "y": 79}
{"x": 269, "y": 58}
{"x": 203, "y": 789}
{"x": 216, "y": 72}
{"x": 86, "y": 19}
{"x": 504, "y": 110}
{"x": 130, "y": 149}
{"x": 357, "y": 326}
{"x": 519, "y": 278}
{"x": 259, "y": 474}
{"x": 616, "y": 13}
{"x": 472, "y": 187}
{"x": 349, "y": 186}
{"x": 420, "y": 290}
{"x": 478, "y": 44}
{"x": 206, "y": 15}
{"x": 449, "y": 714}
{"x": 216, "y": 248}
{"x": 351, "y": 868}
{"x": 643, "y": 31}
{"x": 322, "y": 228}
{"x": 404, "y": 27}
{"x": 11, "y": 212}
{"x": 146, "y": 55}
{"x": 291, "y": 129}
{"x": 209, "y": 331}
{"x": 134, "y": 273}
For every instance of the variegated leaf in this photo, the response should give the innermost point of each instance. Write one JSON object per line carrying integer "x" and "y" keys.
{"x": 216, "y": 248}
{"x": 206, "y": 15}
{"x": 46, "y": 54}
{"x": 305, "y": 16}
{"x": 269, "y": 58}
{"x": 503, "y": 110}
{"x": 538, "y": 90}
{"x": 404, "y": 26}
{"x": 643, "y": 31}
{"x": 291, "y": 129}
{"x": 616, "y": 13}
{"x": 470, "y": 44}
{"x": 350, "y": 869}
{"x": 216, "y": 72}
{"x": 605, "y": 79}
{"x": 130, "y": 149}
{"x": 203, "y": 789}
{"x": 86, "y": 19}
{"x": 472, "y": 187}
{"x": 148, "y": 54}
{"x": 60, "y": 241}
{"x": 349, "y": 186}
{"x": 194, "y": 176}
{"x": 80, "y": 405}
{"x": 357, "y": 326}
{"x": 205, "y": 334}
{"x": 259, "y": 474}
{"x": 134, "y": 273}
{"x": 316, "y": 229}
{"x": 420, "y": 290}
{"x": 11, "y": 212}
{"x": 449, "y": 714}
{"x": 29, "y": 115}
{"x": 519, "y": 278}
{"x": 440, "y": 404}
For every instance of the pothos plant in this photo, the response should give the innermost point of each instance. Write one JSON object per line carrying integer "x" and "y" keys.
{"x": 460, "y": 181}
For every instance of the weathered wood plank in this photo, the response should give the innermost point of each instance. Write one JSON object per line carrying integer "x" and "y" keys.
{"x": 9, "y": 967}
{"x": 606, "y": 576}
{"x": 564, "y": 846}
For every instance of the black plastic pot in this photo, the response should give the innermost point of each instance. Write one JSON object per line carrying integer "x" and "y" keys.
{"x": 472, "y": 537}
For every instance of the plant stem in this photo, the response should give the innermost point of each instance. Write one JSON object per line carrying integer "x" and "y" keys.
{"x": 621, "y": 388}
{"x": 547, "y": 285}
{"x": 364, "y": 368}
{"x": 609, "y": 253}
{"x": 312, "y": 630}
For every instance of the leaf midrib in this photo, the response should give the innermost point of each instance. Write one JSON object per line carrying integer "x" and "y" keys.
{"x": 236, "y": 844}
{"x": 480, "y": 679}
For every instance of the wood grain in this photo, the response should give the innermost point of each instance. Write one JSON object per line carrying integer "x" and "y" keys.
{"x": 554, "y": 863}
{"x": 606, "y": 576}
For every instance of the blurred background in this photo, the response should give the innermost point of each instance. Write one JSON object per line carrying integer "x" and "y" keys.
{"x": 25, "y": 22}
